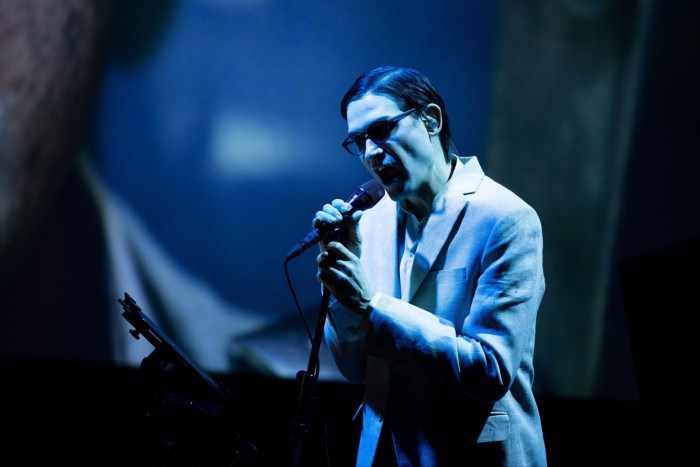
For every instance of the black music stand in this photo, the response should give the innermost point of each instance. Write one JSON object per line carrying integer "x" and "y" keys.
{"x": 194, "y": 416}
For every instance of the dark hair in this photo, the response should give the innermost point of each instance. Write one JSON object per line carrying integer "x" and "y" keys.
{"x": 408, "y": 88}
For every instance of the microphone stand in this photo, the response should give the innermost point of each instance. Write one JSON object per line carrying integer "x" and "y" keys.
{"x": 308, "y": 379}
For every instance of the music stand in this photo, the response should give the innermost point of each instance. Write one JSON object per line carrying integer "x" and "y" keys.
{"x": 194, "y": 415}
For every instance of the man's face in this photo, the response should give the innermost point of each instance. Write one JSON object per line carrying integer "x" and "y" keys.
{"x": 404, "y": 162}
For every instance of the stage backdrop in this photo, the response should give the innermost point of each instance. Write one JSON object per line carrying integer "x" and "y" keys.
{"x": 216, "y": 135}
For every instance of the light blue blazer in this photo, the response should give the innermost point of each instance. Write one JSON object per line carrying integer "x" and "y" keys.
{"x": 450, "y": 359}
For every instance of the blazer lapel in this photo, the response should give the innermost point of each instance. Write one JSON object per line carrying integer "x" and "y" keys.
{"x": 446, "y": 212}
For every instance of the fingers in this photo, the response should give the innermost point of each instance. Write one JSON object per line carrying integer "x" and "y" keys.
{"x": 333, "y": 271}
{"x": 334, "y": 222}
{"x": 331, "y": 275}
{"x": 341, "y": 205}
{"x": 331, "y": 212}
{"x": 337, "y": 252}
{"x": 336, "y": 258}
{"x": 345, "y": 278}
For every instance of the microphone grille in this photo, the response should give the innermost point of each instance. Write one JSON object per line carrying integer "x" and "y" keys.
{"x": 374, "y": 189}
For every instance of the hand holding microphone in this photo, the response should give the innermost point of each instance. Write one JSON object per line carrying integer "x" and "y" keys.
{"x": 328, "y": 224}
{"x": 339, "y": 267}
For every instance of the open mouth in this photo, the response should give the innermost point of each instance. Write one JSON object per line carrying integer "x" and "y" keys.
{"x": 388, "y": 174}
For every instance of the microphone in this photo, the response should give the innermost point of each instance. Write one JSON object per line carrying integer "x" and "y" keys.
{"x": 364, "y": 197}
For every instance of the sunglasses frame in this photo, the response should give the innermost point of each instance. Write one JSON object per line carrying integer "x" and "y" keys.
{"x": 392, "y": 121}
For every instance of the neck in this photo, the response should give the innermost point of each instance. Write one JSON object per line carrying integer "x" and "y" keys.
{"x": 421, "y": 204}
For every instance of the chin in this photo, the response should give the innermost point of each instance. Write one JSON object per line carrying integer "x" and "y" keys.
{"x": 395, "y": 191}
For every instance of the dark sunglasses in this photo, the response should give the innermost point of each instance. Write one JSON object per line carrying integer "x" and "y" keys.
{"x": 378, "y": 131}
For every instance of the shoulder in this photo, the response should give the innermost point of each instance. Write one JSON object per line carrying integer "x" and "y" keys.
{"x": 504, "y": 209}
{"x": 498, "y": 197}
{"x": 490, "y": 203}
{"x": 484, "y": 194}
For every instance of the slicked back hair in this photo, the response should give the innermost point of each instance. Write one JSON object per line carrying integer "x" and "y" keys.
{"x": 408, "y": 88}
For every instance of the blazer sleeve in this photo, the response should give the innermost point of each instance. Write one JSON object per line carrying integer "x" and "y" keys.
{"x": 344, "y": 333}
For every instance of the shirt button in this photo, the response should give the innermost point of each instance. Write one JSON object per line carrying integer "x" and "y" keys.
{"x": 380, "y": 418}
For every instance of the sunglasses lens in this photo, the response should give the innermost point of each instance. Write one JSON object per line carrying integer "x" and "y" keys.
{"x": 359, "y": 142}
{"x": 380, "y": 131}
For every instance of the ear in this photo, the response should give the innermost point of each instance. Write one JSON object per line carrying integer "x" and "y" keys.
{"x": 432, "y": 118}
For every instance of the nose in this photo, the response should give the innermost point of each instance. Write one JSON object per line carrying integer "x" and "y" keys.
{"x": 372, "y": 149}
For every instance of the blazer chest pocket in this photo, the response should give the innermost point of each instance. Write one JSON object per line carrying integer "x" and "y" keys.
{"x": 445, "y": 290}
{"x": 444, "y": 276}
